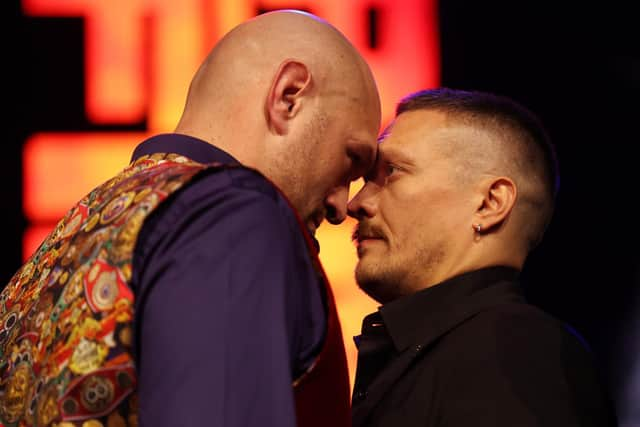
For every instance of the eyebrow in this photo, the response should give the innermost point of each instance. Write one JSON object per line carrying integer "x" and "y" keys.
{"x": 392, "y": 154}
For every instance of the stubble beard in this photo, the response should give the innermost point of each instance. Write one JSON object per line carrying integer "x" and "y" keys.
{"x": 388, "y": 278}
{"x": 380, "y": 278}
{"x": 294, "y": 166}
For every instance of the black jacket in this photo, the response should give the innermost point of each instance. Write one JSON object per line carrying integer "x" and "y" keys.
{"x": 471, "y": 352}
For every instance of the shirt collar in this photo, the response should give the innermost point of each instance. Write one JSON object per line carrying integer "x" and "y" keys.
{"x": 188, "y": 146}
{"x": 192, "y": 148}
{"x": 408, "y": 318}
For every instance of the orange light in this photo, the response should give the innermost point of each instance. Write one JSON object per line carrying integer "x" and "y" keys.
{"x": 59, "y": 168}
{"x": 33, "y": 237}
{"x": 338, "y": 256}
{"x": 178, "y": 45}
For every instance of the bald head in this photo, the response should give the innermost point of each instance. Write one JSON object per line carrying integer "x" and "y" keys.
{"x": 281, "y": 90}
{"x": 238, "y": 72}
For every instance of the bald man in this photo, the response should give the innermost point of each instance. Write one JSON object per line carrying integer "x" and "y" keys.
{"x": 186, "y": 290}
{"x": 463, "y": 190}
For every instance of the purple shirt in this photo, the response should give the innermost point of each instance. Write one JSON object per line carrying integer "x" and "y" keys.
{"x": 228, "y": 309}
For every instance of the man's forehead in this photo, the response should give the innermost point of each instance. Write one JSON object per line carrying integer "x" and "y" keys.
{"x": 413, "y": 138}
{"x": 421, "y": 126}
{"x": 387, "y": 145}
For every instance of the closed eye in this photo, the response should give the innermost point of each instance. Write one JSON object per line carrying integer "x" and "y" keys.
{"x": 383, "y": 172}
{"x": 357, "y": 167}
{"x": 361, "y": 161}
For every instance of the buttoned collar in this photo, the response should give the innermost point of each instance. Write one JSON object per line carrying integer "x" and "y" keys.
{"x": 412, "y": 319}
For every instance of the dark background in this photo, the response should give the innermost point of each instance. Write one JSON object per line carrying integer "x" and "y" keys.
{"x": 576, "y": 66}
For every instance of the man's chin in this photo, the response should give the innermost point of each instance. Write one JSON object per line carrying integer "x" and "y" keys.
{"x": 375, "y": 284}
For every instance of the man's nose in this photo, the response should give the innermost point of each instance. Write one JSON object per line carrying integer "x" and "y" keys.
{"x": 363, "y": 204}
{"x": 336, "y": 204}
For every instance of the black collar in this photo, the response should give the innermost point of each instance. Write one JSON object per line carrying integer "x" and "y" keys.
{"x": 410, "y": 319}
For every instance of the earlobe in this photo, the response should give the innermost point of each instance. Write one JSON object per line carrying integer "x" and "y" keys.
{"x": 499, "y": 197}
{"x": 284, "y": 100}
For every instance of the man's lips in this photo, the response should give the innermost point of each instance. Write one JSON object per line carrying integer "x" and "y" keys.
{"x": 363, "y": 242}
{"x": 360, "y": 238}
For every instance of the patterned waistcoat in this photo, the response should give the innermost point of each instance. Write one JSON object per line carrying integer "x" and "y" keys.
{"x": 66, "y": 317}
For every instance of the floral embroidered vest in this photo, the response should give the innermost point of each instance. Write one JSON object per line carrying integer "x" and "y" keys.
{"x": 66, "y": 317}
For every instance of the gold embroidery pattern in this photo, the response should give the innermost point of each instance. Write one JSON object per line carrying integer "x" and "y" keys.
{"x": 66, "y": 316}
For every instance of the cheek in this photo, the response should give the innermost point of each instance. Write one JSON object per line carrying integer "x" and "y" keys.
{"x": 399, "y": 218}
{"x": 330, "y": 170}
{"x": 413, "y": 213}
{"x": 403, "y": 202}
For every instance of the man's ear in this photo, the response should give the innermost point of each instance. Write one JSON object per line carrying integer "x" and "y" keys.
{"x": 284, "y": 99}
{"x": 498, "y": 199}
